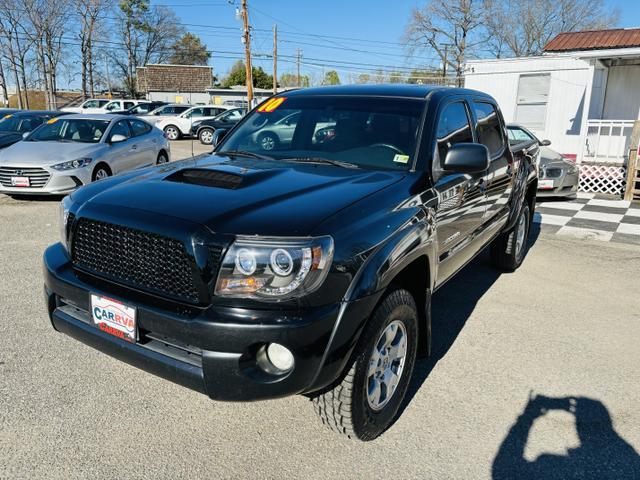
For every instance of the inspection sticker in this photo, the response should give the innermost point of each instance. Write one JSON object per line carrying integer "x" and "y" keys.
{"x": 401, "y": 158}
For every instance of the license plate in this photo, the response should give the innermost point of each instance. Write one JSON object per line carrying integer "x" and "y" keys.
{"x": 114, "y": 318}
{"x": 545, "y": 185}
{"x": 20, "y": 181}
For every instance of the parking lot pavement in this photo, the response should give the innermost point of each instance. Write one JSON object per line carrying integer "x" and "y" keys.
{"x": 544, "y": 361}
{"x": 591, "y": 216}
{"x": 187, "y": 148}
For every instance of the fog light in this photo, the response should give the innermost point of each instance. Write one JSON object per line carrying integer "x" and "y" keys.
{"x": 280, "y": 357}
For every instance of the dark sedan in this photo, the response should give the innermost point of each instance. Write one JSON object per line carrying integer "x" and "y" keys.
{"x": 204, "y": 129}
{"x": 13, "y": 126}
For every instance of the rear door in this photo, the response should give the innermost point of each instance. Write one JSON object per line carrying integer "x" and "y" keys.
{"x": 461, "y": 195}
{"x": 491, "y": 132}
{"x": 146, "y": 143}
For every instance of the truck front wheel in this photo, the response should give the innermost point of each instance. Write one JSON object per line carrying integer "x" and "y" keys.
{"x": 508, "y": 250}
{"x": 365, "y": 403}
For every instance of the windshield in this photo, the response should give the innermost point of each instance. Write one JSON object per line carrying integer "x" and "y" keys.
{"x": 70, "y": 130}
{"x": 373, "y": 132}
{"x": 112, "y": 106}
{"x": 20, "y": 124}
{"x": 518, "y": 135}
{"x": 9, "y": 124}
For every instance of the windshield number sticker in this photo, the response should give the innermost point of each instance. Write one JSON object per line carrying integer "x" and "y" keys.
{"x": 7, "y": 116}
{"x": 53, "y": 120}
{"x": 270, "y": 105}
{"x": 401, "y": 158}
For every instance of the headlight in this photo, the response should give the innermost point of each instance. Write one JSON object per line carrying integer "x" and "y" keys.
{"x": 65, "y": 205}
{"x": 79, "y": 163}
{"x": 274, "y": 269}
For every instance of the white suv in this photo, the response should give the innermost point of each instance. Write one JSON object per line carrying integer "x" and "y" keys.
{"x": 176, "y": 126}
{"x": 87, "y": 105}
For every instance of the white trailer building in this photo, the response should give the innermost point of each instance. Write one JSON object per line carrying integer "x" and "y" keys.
{"x": 582, "y": 93}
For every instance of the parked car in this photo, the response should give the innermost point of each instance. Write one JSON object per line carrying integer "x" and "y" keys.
{"x": 70, "y": 151}
{"x": 169, "y": 110}
{"x": 557, "y": 175}
{"x": 118, "y": 106}
{"x": 141, "y": 109}
{"x": 8, "y": 111}
{"x": 14, "y": 126}
{"x": 203, "y": 130}
{"x": 180, "y": 125}
{"x": 87, "y": 106}
{"x": 308, "y": 271}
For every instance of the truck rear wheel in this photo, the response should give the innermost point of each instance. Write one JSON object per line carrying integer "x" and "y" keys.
{"x": 365, "y": 403}
{"x": 509, "y": 249}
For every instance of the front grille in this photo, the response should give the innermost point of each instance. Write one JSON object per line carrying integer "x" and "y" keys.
{"x": 38, "y": 177}
{"x": 138, "y": 259}
{"x": 553, "y": 172}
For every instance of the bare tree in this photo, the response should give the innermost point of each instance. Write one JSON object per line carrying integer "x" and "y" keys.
{"x": 450, "y": 28}
{"x": 15, "y": 46}
{"x": 524, "y": 27}
{"x": 48, "y": 23}
{"x": 147, "y": 34}
{"x": 89, "y": 13}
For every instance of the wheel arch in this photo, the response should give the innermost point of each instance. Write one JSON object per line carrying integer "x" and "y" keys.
{"x": 100, "y": 164}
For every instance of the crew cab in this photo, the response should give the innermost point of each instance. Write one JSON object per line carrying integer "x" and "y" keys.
{"x": 306, "y": 268}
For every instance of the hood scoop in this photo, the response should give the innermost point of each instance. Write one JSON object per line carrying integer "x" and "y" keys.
{"x": 207, "y": 178}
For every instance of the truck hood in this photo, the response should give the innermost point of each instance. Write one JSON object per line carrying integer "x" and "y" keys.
{"x": 241, "y": 195}
{"x": 45, "y": 154}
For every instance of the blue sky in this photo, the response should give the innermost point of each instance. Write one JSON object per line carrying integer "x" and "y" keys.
{"x": 370, "y": 32}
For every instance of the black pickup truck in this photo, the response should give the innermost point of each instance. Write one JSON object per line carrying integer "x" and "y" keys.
{"x": 306, "y": 269}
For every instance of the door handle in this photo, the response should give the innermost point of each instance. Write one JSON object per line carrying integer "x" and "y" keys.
{"x": 134, "y": 147}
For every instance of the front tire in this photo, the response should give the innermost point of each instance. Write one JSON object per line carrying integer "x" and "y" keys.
{"x": 162, "y": 158}
{"x": 172, "y": 132}
{"x": 206, "y": 136}
{"x": 101, "y": 172}
{"x": 365, "y": 403}
{"x": 509, "y": 249}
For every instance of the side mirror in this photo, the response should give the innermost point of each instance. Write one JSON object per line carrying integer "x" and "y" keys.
{"x": 466, "y": 158}
{"x": 25, "y": 135}
{"x": 545, "y": 143}
{"x": 117, "y": 138}
{"x": 218, "y": 135}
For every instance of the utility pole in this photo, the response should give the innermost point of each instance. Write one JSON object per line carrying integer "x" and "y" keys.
{"x": 106, "y": 66}
{"x": 298, "y": 82}
{"x": 246, "y": 39}
{"x": 275, "y": 59}
{"x": 444, "y": 63}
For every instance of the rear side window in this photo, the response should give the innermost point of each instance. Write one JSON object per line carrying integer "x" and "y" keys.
{"x": 121, "y": 128}
{"x": 489, "y": 128}
{"x": 453, "y": 127}
{"x": 139, "y": 127}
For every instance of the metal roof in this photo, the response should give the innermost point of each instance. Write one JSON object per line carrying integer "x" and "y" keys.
{"x": 595, "y": 40}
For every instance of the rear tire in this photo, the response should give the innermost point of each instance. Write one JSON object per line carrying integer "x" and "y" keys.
{"x": 172, "y": 132}
{"x": 162, "y": 158}
{"x": 509, "y": 249}
{"x": 365, "y": 402}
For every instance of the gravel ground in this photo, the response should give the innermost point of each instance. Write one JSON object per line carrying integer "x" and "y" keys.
{"x": 566, "y": 326}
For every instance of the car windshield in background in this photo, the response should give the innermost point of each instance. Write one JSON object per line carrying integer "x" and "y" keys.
{"x": 9, "y": 124}
{"x": 70, "y": 130}
{"x": 368, "y": 132}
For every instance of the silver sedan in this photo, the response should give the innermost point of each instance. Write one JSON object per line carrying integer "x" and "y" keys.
{"x": 68, "y": 152}
{"x": 557, "y": 176}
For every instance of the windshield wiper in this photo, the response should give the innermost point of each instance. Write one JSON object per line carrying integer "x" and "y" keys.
{"x": 337, "y": 163}
{"x": 244, "y": 153}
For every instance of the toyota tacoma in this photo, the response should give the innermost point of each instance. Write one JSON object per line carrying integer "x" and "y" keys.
{"x": 305, "y": 268}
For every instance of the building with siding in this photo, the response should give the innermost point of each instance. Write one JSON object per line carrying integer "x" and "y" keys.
{"x": 582, "y": 93}
{"x": 175, "y": 83}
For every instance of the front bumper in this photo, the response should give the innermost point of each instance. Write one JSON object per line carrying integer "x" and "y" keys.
{"x": 565, "y": 185}
{"x": 58, "y": 183}
{"x": 212, "y": 350}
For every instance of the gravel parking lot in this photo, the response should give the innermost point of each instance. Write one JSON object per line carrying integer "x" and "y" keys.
{"x": 533, "y": 374}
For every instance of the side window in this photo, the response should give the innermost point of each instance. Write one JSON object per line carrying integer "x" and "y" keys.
{"x": 196, "y": 112}
{"x": 453, "y": 127}
{"x": 128, "y": 105}
{"x": 517, "y": 135}
{"x": 489, "y": 128}
{"x": 139, "y": 127}
{"x": 180, "y": 109}
{"x": 121, "y": 128}
{"x": 91, "y": 104}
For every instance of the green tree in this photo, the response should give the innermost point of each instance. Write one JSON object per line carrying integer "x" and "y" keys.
{"x": 419, "y": 76}
{"x": 291, "y": 80}
{"x": 363, "y": 78}
{"x": 189, "y": 50}
{"x": 237, "y": 76}
{"x": 331, "y": 78}
{"x": 396, "y": 77}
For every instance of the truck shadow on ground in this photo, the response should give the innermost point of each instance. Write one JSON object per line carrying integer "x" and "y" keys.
{"x": 602, "y": 453}
{"x": 451, "y": 306}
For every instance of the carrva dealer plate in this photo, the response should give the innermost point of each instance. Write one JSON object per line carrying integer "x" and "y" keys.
{"x": 545, "y": 184}
{"x": 114, "y": 318}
